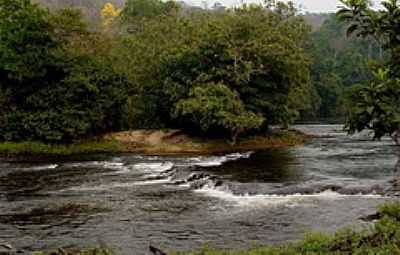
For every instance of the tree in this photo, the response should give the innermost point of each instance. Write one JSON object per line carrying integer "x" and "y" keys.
{"x": 256, "y": 53}
{"x": 25, "y": 41}
{"x": 376, "y": 106}
{"x": 252, "y": 56}
{"x": 216, "y": 107}
{"x": 57, "y": 82}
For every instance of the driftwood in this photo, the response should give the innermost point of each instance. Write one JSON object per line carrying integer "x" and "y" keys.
{"x": 156, "y": 251}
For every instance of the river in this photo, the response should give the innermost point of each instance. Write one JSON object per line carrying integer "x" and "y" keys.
{"x": 129, "y": 202}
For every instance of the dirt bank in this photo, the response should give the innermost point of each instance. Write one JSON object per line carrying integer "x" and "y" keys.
{"x": 162, "y": 142}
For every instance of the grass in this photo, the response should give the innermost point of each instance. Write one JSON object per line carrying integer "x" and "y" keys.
{"x": 38, "y": 148}
{"x": 382, "y": 238}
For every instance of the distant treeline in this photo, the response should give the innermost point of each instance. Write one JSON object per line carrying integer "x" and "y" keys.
{"x": 339, "y": 62}
{"x": 68, "y": 74}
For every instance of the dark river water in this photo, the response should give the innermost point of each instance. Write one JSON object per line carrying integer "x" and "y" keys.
{"x": 129, "y": 202}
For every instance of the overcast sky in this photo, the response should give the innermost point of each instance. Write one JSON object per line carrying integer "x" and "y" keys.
{"x": 305, "y": 5}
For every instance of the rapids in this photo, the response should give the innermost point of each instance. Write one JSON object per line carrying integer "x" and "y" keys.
{"x": 129, "y": 202}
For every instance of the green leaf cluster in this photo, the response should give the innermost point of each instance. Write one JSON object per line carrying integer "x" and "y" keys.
{"x": 376, "y": 105}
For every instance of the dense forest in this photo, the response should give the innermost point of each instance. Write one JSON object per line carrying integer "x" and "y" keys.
{"x": 79, "y": 68}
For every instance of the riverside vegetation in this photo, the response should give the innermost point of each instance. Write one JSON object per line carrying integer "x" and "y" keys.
{"x": 225, "y": 74}
{"x": 215, "y": 75}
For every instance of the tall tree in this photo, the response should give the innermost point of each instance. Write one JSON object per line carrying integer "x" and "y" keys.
{"x": 376, "y": 106}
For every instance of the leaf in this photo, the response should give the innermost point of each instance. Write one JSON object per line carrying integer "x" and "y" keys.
{"x": 352, "y": 29}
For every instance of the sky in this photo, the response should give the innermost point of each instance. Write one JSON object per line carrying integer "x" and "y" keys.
{"x": 305, "y": 5}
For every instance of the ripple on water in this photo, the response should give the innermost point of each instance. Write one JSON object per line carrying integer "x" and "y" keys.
{"x": 268, "y": 197}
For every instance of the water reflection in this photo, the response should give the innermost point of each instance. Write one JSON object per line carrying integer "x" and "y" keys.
{"x": 269, "y": 166}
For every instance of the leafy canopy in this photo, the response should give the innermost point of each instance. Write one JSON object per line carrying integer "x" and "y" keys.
{"x": 57, "y": 83}
{"x": 252, "y": 55}
{"x": 377, "y": 105}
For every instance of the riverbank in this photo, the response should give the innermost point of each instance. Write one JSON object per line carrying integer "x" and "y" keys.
{"x": 383, "y": 237}
{"x": 166, "y": 142}
{"x": 156, "y": 142}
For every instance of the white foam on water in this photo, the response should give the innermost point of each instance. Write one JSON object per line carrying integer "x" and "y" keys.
{"x": 266, "y": 200}
{"x": 218, "y": 160}
{"x": 44, "y": 167}
{"x": 87, "y": 164}
{"x": 113, "y": 164}
{"x": 149, "y": 158}
{"x": 102, "y": 164}
{"x": 153, "y": 167}
{"x": 235, "y": 156}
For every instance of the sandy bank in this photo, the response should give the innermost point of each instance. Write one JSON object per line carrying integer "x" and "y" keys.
{"x": 176, "y": 142}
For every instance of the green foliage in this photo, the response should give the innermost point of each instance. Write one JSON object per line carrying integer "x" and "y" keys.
{"x": 25, "y": 42}
{"x": 339, "y": 62}
{"x": 256, "y": 54}
{"x": 391, "y": 210}
{"x": 247, "y": 66}
{"x": 376, "y": 105}
{"x": 57, "y": 83}
{"x": 214, "y": 107}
